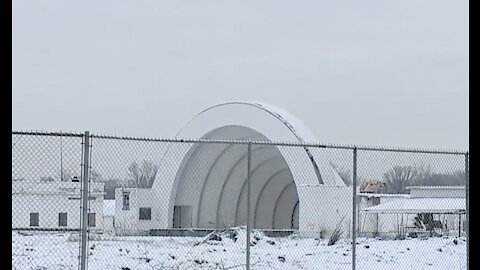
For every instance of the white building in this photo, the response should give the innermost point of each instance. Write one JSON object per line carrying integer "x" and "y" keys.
{"x": 133, "y": 214}
{"x": 54, "y": 205}
{"x": 204, "y": 185}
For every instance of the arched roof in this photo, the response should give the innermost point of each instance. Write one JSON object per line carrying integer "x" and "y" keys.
{"x": 242, "y": 121}
{"x": 274, "y": 123}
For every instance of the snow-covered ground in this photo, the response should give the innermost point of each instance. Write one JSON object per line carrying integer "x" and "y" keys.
{"x": 54, "y": 251}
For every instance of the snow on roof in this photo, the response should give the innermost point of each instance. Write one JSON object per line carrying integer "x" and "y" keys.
{"x": 420, "y": 205}
{"x": 54, "y": 188}
{"x": 109, "y": 207}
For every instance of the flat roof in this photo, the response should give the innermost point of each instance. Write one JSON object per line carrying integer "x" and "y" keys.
{"x": 420, "y": 205}
{"x": 54, "y": 188}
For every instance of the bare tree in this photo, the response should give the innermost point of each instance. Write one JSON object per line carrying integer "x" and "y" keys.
{"x": 142, "y": 174}
{"x": 399, "y": 177}
{"x": 110, "y": 185}
{"x": 422, "y": 174}
{"x": 456, "y": 178}
{"x": 95, "y": 176}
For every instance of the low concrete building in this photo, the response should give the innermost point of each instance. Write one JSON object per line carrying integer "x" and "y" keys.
{"x": 133, "y": 212}
{"x": 48, "y": 205}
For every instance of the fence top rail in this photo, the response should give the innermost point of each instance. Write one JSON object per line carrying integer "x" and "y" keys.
{"x": 412, "y": 150}
{"x": 223, "y": 141}
{"x": 48, "y": 133}
{"x": 280, "y": 143}
{"x": 246, "y": 142}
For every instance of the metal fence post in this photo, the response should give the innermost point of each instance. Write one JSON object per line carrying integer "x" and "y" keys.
{"x": 84, "y": 198}
{"x": 354, "y": 209}
{"x": 249, "y": 164}
{"x": 467, "y": 220}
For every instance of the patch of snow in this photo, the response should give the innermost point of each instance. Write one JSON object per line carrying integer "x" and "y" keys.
{"x": 420, "y": 205}
{"x": 226, "y": 250}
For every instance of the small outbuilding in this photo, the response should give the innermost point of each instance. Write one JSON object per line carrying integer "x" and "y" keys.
{"x": 427, "y": 208}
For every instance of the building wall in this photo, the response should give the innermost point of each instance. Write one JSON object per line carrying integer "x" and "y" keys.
{"x": 127, "y": 222}
{"x": 323, "y": 208}
{"x": 108, "y": 224}
{"x": 49, "y": 200}
{"x": 333, "y": 202}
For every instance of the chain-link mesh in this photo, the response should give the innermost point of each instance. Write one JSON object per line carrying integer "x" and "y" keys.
{"x": 164, "y": 204}
{"x": 185, "y": 204}
{"x": 415, "y": 203}
{"x": 301, "y": 208}
{"x": 46, "y": 195}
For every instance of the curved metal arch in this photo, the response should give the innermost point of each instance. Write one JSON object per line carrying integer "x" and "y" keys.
{"x": 197, "y": 152}
{"x": 185, "y": 162}
{"x": 263, "y": 189}
{"x": 229, "y": 176}
{"x": 285, "y": 122}
{"x": 276, "y": 202}
{"x": 208, "y": 176}
{"x": 245, "y": 181}
{"x": 295, "y": 208}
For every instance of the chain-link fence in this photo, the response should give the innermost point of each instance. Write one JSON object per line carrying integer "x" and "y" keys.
{"x": 46, "y": 199}
{"x": 142, "y": 203}
{"x": 415, "y": 202}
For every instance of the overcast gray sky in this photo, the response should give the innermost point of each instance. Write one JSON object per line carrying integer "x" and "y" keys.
{"x": 374, "y": 72}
